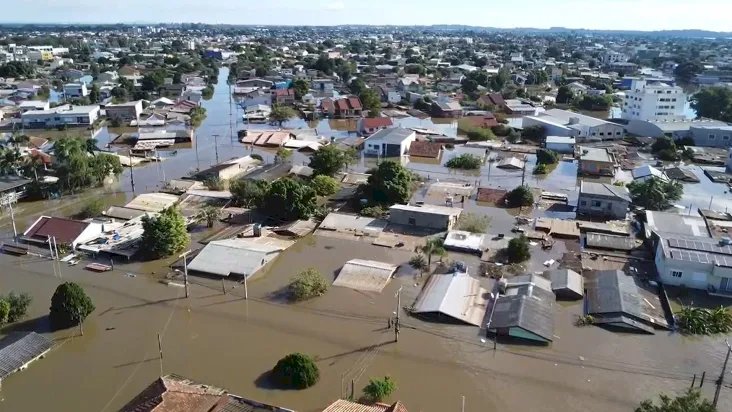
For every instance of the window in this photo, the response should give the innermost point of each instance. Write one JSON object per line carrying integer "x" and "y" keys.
{"x": 596, "y": 203}
{"x": 584, "y": 202}
{"x": 676, "y": 273}
{"x": 712, "y": 137}
{"x": 725, "y": 137}
{"x": 617, "y": 133}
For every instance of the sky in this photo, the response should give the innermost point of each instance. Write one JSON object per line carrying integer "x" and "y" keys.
{"x": 589, "y": 14}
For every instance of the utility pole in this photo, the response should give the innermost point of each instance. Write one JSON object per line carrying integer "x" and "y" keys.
{"x": 55, "y": 246}
{"x": 216, "y": 147}
{"x": 246, "y": 289}
{"x": 81, "y": 323}
{"x": 720, "y": 381}
{"x": 8, "y": 200}
{"x": 490, "y": 319}
{"x": 160, "y": 350}
{"x": 132, "y": 176}
{"x": 50, "y": 247}
{"x": 523, "y": 173}
{"x": 223, "y": 286}
{"x": 398, "y": 308}
{"x": 195, "y": 145}
{"x": 184, "y": 256}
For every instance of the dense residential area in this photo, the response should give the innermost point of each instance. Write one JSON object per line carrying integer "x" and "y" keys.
{"x": 364, "y": 218}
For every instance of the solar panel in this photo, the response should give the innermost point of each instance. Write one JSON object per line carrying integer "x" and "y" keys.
{"x": 695, "y": 245}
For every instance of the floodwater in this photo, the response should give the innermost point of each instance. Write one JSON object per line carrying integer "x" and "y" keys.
{"x": 227, "y": 341}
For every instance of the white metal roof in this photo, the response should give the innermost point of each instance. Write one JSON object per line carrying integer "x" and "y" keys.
{"x": 456, "y": 295}
{"x": 366, "y": 275}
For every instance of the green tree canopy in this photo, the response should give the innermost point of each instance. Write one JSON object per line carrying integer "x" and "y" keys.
{"x": 433, "y": 246}
{"x": 713, "y": 103}
{"x": 328, "y": 160}
{"x": 289, "y": 199}
{"x": 324, "y": 185}
{"x": 389, "y": 183}
{"x": 69, "y": 305}
{"x": 302, "y": 87}
{"x": 296, "y": 371}
{"x": 164, "y": 234}
{"x": 654, "y": 193}
{"x": 281, "y": 113}
{"x": 307, "y": 284}
{"x": 378, "y": 390}
{"x": 689, "y": 401}
{"x": 546, "y": 156}
{"x": 464, "y": 161}
{"x": 249, "y": 193}
{"x": 520, "y": 196}
{"x": 371, "y": 101}
{"x": 19, "y": 303}
{"x": 518, "y": 249}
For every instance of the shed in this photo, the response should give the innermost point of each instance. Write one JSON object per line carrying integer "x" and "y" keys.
{"x": 566, "y": 284}
{"x": 611, "y": 242}
{"x": 18, "y": 349}
{"x": 457, "y": 296}
{"x": 365, "y": 275}
{"x": 123, "y": 213}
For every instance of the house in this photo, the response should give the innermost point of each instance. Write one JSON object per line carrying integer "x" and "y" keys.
{"x": 603, "y": 200}
{"x": 124, "y": 113}
{"x": 492, "y": 99}
{"x": 485, "y": 121}
{"x": 614, "y": 300}
{"x": 711, "y": 136}
{"x": 271, "y": 138}
{"x": 66, "y": 115}
{"x": 13, "y": 186}
{"x": 255, "y": 84}
{"x": 518, "y": 107}
{"x": 64, "y": 231}
{"x": 558, "y": 122}
{"x": 229, "y": 169}
{"x": 283, "y": 96}
{"x": 447, "y": 109}
{"x": 172, "y": 91}
{"x": 596, "y": 161}
{"x": 645, "y": 172}
{"x": 454, "y": 297}
{"x": 19, "y": 349}
{"x": 365, "y": 275}
{"x": 75, "y": 90}
{"x": 111, "y": 77}
{"x": 29, "y": 105}
{"x": 175, "y": 393}
{"x": 390, "y": 142}
{"x": 422, "y": 148}
{"x": 463, "y": 241}
{"x": 370, "y": 125}
{"x": 511, "y": 163}
{"x": 432, "y": 217}
{"x": 342, "y": 405}
{"x": 341, "y": 108}
{"x": 561, "y": 144}
{"x": 523, "y": 309}
{"x": 238, "y": 257}
{"x": 566, "y": 284}
{"x": 323, "y": 87}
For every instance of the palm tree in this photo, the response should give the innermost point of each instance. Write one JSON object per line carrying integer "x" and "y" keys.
{"x": 433, "y": 246}
{"x": 91, "y": 145}
{"x": 210, "y": 213}
{"x": 418, "y": 262}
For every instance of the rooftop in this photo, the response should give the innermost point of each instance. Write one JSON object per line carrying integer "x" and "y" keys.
{"x": 242, "y": 257}
{"x": 19, "y": 348}
{"x": 604, "y": 190}
{"x": 456, "y": 295}
{"x": 429, "y": 209}
{"x": 64, "y": 230}
{"x": 366, "y": 275}
{"x": 394, "y": 135}
{"x": 595, "y": 154}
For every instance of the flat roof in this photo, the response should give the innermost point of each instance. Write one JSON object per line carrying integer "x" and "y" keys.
{"x": 12, "y": 182}
{"x": 605, "y": 190}
{"x": 565, "y": 115}
{"x": 667, "y": 223}
{"x": 152, "y": 202}
{"x": 429, "y": 209}
{"x": 393, "y": 135}
{"x": 365, "y": 275}
{"x": 595, "y": 154}
{"x": 242, "y": 257}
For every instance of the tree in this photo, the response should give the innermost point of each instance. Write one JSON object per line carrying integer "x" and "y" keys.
{"x": 16, "y": 69}
{"x": 564, "y": 95}
{"x": 249, "y": 193}
{"x": 379, "y": 389}
{"x": 328, "y": 160}
{"x": 164, "y": 234}
{"x": 469, "y": 86}
{"x": 689, "y": 401}
{"x": 288, "y": 199}
{"x": 210, "y": 214}
{"x": 4, "y": 311}
{"x": 283, "y": 155}
{"x": 665, "y": 149}
{"x": 433, "y": 246}
{"x": 654, "y": 193}
{"x": 464, "y": 161}
{"x": 371, "y": 101}
{"x": 687, "y": 70}
{"x": 19, "y": 303}
{"x": 520, "y": 196}
{"x": 419, "y": 262}
{"x": 390, "y": 183}
{"x": 587, "y": 102}
{"x": 69, "y": 306}
{"x": 324, "y": 185}
{"x": 546, "y": 156}
{"x": 297, "y": 371}
{"x": 92, "y": 208}
{"x": 281, "y": 113}
{"x": 518, "y": 249}
{"x": 307, "y": 284}
{"x": 553, "y": 51}
{"x": 536, "y": 133}
{"x": 473, "y": 223}
{"x": 302, "y": 87}
{"x": 153, "y": 81}
{"x": 713, "y": 103}
{"x": 197, "y": 115}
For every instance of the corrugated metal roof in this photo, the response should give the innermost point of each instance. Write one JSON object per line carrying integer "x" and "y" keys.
{"x": 456, "y": 295}
{"x": 365, "y": 275}
{"x": 19, "y": 348}
{"x": 243, "y": 257}
{"x": 342, "y": 405}
{"x": 528, "y": 305}
{"x": 152, "y": 202}
{"x": 64, "y": 230}
{"x": 566, "y": 281}
{"x": 599, "y": 240}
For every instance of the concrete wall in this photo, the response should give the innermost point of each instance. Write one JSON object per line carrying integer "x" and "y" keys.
{"x": 421, "y": 219}
{"x": 592, "y": 167}
{"x": 709, "y": 137}
{"x": 588, "y": 205}
{"x": 693, "y": 274}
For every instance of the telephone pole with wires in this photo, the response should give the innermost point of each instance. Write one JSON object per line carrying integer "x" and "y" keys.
{"x": 720, "y": 381}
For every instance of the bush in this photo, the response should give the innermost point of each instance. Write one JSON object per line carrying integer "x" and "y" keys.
{"x": 92, "y": 208}
{"x": 518, "y": 249}
{"x": 69, "y": 306}
{"x": 257, "y": 156}
{"x": 540, "y": 169}
{"x": 473, "y": 223}
{"x": 216, "y": 183}
{"x": 307, "y": 285}
{"x": 465, "y": 162}
{"x": 374, "y": 211}
{"x": 546, "y": 156}
{"x": 297, "y": 371}
{"x": 701, "y": 321}
{"x": 520, "y": 196}
{"x": 501, "y": 130}
{"x": 19, "y": 303}
{"x": 164, "y": 234}
{"x": 324, "y": 185}
{"x": 379, "y": 389}
{"x": 535, "y": 133}
{"x": 4, "y": 311}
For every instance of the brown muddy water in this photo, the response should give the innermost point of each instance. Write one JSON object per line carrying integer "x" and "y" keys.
{"x": 230, "y": 342}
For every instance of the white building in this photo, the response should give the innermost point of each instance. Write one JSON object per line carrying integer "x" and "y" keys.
{"x": 561, "y": 144}
{"x": 390, "y": 142}
{"x": 66, "y": 115}
{"x": 654, "y": 101}
{"x": 558, "y": 122}
{"x": 72, "y": 90}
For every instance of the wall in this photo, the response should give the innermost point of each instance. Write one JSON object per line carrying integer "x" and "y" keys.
{"x": 550, "y": 129}
{"x": 665, "y": 267}
{"x": 421, "y": 219}
{"x": 561, "y": 147}
{"x": 709, "y": 137}
{"x": 617, "y": 209}
{"x": 606, "y": 131}
{"x": 597, "y": 168}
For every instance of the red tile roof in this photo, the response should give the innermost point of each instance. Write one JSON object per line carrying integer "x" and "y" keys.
{"x": 64, "y": 230}
{"x": 327, "y": 105}
{"x": 376, "y": 122}
{"x": 284, "y": 92}
{"x": 425, "y": 149}
{"x": 354, "y": 102}
{"x": 486, "y": 121}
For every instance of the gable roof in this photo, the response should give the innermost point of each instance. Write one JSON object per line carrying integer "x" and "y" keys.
{"x": 64, "y": 230}
{"x": 19, "y": 348}
{"x": 394, "y": 135}
{"x": 425, "y": 149}
{"x": 456, "y": 295}
{"x": 376, "y": 122}
{"x": 604, "y": 190}
{"x": 342, "y": 405}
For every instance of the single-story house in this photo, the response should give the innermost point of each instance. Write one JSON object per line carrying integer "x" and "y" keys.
{"x": 370, "y": 125}
{"x": 456, "y": 296}
{"x": 229, "y": 169}
{"x": 124, "y": 112}
{"x": 341, "y": 108}
{"x": 421, "y": 148}
{"x": 463, "y": 241}
{"x": 645, "y": 172}
{"x": 272, "y": 138}
{"x": 566, "y": 284}
{"x": 13, "y": 185}
{"x": 19, "y": 349}
{"x": 596, "y": 161}
{"x": 561, "y": 144}
{"x": 237, "y": 257}
{"x": 365, "y": 275}
{"x": 391, "y": 142}
{"x": 425, "y": 216}
{"x": 524, "y": 309}
{"x": 511, "y": 163}
{"x": 603, "y": 200}
{"x": 342, "y": 405}
{"x": 447, "y": 108}
{"x": 65, "y": 231}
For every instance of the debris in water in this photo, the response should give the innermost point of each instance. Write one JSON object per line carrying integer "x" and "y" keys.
{"x": 582, "y": 358}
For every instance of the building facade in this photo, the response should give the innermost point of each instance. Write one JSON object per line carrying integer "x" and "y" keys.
{"x": 654, "y": 101}
{"x": 603, "y": 200}
{"x": 124, "y": 112}
{"x": 66, "y": 115}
